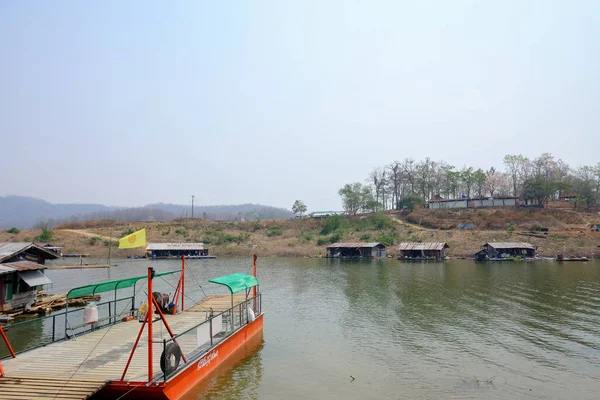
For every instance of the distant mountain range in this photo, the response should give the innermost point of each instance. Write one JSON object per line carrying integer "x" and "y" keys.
{"x": 28, "y": 212}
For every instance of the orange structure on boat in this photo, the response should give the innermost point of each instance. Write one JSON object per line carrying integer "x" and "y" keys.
{"x": 113, "y": 361}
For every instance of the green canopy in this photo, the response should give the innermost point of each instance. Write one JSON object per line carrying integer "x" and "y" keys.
{"x": 236, "y": 282}
{"x": 109, "y": 286}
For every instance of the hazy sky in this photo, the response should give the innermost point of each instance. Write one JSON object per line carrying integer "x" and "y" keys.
{"x": 128, "y": 103}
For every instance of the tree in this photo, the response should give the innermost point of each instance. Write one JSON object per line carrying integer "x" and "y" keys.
{"x": 496, "y": 183}
{"x": 352, "y": 197}
{"x": 479, "y": 179}
{"x": 467, "y": 178}
{"x": 411, "y": 201}
{"x": 516, "y": 167}
{"x": 298, "y": 207}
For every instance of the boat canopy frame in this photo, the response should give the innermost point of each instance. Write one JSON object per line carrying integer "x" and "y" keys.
{"x": 90, "y": 290}
{"x": 236, "y": 283}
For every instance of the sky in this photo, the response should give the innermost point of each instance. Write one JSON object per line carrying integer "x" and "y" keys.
{"x": 131, "y": 103}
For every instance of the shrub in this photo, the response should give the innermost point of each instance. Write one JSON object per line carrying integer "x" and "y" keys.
{"x": 365, "y": 237}
{"x": 322, "y": 241}
{"x": 308, "y": 237}
{"x": 385, "y": 239}
{"x": 94, "y": 240}
{"x": 511, "y": 227}
{"x": 274, "y": 231}
{"x": 166, "y": 233}
{"x": 332, "y": 223}
{"x": 381, "y": 221}
{"x": 109, "y": 244}
{"x": 45, "y": 236}
{"x": 336, "y": 237}
{"x": 183, "y": 232}
{"x": 129, "y": 231}
{"x": 13, "y": 230}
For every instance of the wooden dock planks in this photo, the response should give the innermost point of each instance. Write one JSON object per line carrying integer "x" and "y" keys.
{"x": 218, "y": 302}
{"x": 35, "y": 388}
{"x": 101, "y": 355}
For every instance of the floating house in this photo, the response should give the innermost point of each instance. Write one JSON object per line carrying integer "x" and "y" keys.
{"x": 505, "y": 250}
{"x": 422, "y": 251}
{"x": 474, "y": 202}
{"x": 21, "y": 274}
{"x": 176, "y": 250}
{"x": 356, "y": 250}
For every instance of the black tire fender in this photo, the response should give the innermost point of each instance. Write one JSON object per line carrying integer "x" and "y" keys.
{"x": 167, "y": 364}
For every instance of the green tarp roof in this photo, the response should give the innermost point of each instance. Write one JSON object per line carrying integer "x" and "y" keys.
{"x": 109, "y": 286}
{"x": 236, "y": 282}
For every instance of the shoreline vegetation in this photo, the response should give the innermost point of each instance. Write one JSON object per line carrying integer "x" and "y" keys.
{"x": 553, "y": 231}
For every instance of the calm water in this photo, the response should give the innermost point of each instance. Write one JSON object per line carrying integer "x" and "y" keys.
{"x": 457, "y": 329}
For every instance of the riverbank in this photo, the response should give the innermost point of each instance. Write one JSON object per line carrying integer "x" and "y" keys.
{"x": 551, "y": 231}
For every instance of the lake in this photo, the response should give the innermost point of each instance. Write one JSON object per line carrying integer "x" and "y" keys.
{"x": 385, "y": 329}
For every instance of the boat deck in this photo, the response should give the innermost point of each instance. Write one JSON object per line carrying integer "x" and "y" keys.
{"x": 29, "y": 388}
{"x": 79, "y": 367}
{"x": 217, "y": 303}
{"x": 101, "y": 355}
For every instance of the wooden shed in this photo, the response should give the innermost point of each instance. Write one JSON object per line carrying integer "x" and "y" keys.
{"x": 21, "y": 274}
{"x": 422, "y": 251}
{"x": 506, "y": 250}
{"x": 356, "y": 250}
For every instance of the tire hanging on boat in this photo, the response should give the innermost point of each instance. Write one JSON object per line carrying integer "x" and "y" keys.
{"x": 167, "y": 364}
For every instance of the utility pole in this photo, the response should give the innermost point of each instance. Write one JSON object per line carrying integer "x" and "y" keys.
{"x": 192, "y": 206}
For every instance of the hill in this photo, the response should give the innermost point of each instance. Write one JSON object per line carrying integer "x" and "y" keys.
{"x": 567, "y": 233}
{"x": 27, "y": 212}
{"x": 226, "y": 212}
{"x": 24, "y": 212}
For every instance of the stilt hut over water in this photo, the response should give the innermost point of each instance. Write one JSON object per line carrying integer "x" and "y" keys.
{"x": 356, "y": 250}
{"x": 506, "y": 250}
{"x": 422, "y": 251}
{"x": 21, "y": 274}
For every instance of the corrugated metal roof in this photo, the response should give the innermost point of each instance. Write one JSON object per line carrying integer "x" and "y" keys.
{"x": 510, "y": 245}
{"x": 355, "y": 245}
{"x": 422, "y": 246}
{"x": 175, "y": 246}
{"x": 34, "y": 278}
{"x": 9, "y": 249}
{"x": 24, "y": 266}
{"x": 6, "y": 270}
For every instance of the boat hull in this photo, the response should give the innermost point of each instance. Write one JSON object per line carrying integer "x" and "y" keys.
{"x": 188, "y": 378}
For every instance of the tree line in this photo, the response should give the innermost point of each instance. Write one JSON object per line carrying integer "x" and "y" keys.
{"x": 411, "y": 183}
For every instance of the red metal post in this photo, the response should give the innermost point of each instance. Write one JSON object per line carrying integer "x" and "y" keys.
{"x": 149, "y": 317}
{"x": 10, "y": 349}
{"x": 134, "y": 347}
{"x": 177, "y": 296}
{"x": 182, "y": 282}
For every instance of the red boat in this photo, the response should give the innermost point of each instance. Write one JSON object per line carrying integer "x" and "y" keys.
{"x": 163, "y": 357}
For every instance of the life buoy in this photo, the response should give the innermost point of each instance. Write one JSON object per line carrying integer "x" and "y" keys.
{"x": 170, "y": 358}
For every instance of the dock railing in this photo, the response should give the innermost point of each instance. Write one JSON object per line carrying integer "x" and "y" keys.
{"x": 197, "y": 341}
{"x": 41, "y": 331}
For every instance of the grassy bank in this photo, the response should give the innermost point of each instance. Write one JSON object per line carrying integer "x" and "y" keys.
{"x": 552, "y": 231}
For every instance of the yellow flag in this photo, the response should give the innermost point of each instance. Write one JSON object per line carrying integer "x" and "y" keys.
{"x": 136, "y": 239}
